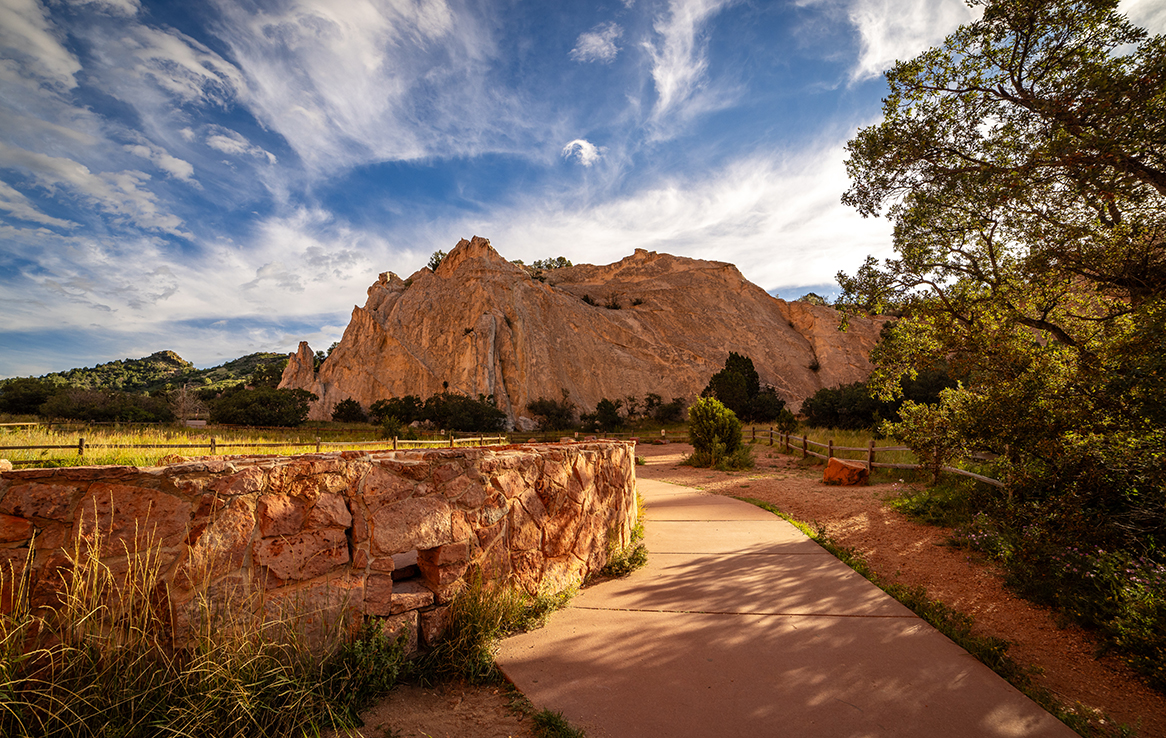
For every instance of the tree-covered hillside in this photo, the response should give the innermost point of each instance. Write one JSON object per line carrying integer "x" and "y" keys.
{"x": 160, "y": 371}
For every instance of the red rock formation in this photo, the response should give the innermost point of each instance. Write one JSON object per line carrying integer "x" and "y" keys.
{"x": 486, "y": 326}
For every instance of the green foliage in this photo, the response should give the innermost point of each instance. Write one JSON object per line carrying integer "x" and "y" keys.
{"x": 103, "y": 406}
{"x": 812, "y": 298}
{"x": 25, "y": 395}
{"x": 349, "y": 410}
{"x": 738, "y": 387}
{"x": 549, "y": 724}
{"x": 855, "y": 406}
{"x": 930, "y": 431}
{"x": 715, "y": 434}
{"x": 589, "y": 299}
{"x": 456, "y": 412}
{"x": 612, "y": 302}
{"x": 406, "y": 410}
{"x": 262, "y": 406}
{"x": 160, "y": 371}
{"x": 557, "y": 262}
{"x": 553, "y": 414}
{"x": 607, "y": 415}
{"x": 391, "y": 427}
{"x": 435, "y": 260}
{"x": 363, "y": 669}
{"x": 479, "y": 616}
{"x": 1028, "y": 197}
{"x": 269, "y": 374}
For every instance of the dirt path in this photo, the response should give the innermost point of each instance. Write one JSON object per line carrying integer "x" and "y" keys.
{"x": 915, "y": 554}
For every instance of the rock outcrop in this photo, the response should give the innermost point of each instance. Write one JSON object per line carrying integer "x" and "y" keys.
{"x": 482, "y": 325}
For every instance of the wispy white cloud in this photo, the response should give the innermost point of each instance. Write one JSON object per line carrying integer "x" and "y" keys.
{"x": 582, "y": 151}
{"x": 30, "y": 41}
{"x": 598, "y": 44}
{"x": 680, "y": 62}
{"x": 162, "y": 159}
{"x": 890, "y": 30}
{"x": 347, "y": 83}
{"x": 119, "y": 193}
{"x": 777, "y": 217}
{"x": 233, "y": 143}
{"x": 20, "y": 207}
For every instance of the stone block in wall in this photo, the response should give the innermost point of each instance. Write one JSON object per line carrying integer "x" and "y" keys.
{"x": 404, "y": 623}
{"x": 560, "y": 533}
{"x": 220, "y": 547}
{"x": 14, "y": 529}
{"x": 131, "y": 519}
{"x": 414, "y": 523}
{"x": 409, "y": 595}
{"x": 47, "y": 501}
{"x": 434, "y": 623}
{"x": 329, "y": 511}
{"x": 510, "y": 483}
{"x": 525, "y": 533}
{"x": 280, "y": 515}
{"x": 378, "y": 594}
{"x": 450, "y": 553}
{"x": 562, "y": 573}
{"x": 319, "y": 610}
{"x": 438, "y": 577}
{"x": 303, "y": 556}
{"x": 246, "y": 481}
{"x": 527, "y": 569}
{"x": 384, "y": 484}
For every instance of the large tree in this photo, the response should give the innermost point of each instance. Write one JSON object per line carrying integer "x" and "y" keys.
{"x": 1023, "y": 164}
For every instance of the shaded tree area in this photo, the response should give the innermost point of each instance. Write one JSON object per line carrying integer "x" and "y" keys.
{"x": 738, "y": 387}
{"x": 855, "y": 407}
{"x": 1023, "y": 164}
{"x": 446, "y": 410}
{"x": 261, "y": 406}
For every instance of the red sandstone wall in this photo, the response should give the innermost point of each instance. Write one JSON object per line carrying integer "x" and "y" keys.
{"x": 321, "y": 531}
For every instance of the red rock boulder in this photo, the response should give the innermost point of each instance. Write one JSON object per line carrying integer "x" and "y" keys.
{"x": 846, "y": 473}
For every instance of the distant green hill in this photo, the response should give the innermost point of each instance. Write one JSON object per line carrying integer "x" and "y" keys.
{"x": 162, "y": 371}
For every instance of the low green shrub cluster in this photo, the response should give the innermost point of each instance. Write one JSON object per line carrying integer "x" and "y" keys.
{"x": 447, "y": 410}
{"x": 715, "y": 434}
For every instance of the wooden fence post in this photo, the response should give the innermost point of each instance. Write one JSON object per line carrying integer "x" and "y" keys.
{"x": 771, "y": 435}
{"x": 754, "y": 429}
{"x": 81, "y": 446}
{"x": 451, "y": 439}
{"x": 214, "y": 445}
{"x": 394, "y": 443}
{"x": 805, "y": 447}
{"x": 830, "y": 450}
{"x": 317, "y": 444}
{"x": 870, "y": 454}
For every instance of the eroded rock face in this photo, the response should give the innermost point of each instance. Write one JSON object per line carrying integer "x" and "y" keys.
{"x": 485, "y": 326}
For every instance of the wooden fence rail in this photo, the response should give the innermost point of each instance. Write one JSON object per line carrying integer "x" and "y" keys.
{"x": 215, "y": 445}
{"x": 871, "y": 452}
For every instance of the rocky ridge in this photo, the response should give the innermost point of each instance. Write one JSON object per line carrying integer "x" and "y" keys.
{"x": 480, "y": 324}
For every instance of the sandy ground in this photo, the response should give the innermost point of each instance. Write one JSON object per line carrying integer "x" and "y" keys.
{"x": 1062, "y": 659}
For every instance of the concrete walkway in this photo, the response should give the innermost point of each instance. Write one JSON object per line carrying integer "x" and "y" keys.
{"x": 742, "y": 626}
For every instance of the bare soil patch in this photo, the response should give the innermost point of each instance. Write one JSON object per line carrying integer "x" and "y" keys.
{"x": 1063, "y": 659}
{"x": 444, "y": 711}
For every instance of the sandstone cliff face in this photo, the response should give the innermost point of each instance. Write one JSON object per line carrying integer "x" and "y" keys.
{"x": 486, "y": 326}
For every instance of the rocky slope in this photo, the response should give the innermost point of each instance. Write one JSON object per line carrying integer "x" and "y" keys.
{"x": 487, "y": 326}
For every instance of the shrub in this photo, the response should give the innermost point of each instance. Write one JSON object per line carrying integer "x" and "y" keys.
{"x": 710, "y": 423}
{"x": 262, "y": 406}
{"x": 391, "y": 427}
{"x": 607, "y": 415}
{"x": 100, "y": 406}
{"x": 405, "y": 409}
{"x": 553, "y": 414}
{"x": 453, "y": 411}
{"x": 349, "y": 411}
{"x": 738, "y": 387}
{"x": 25, "y": 395}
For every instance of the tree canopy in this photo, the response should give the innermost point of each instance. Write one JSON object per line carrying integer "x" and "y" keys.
{"x": 1023, "y": 164}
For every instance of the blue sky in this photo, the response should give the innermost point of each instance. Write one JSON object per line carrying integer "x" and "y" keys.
{"x": 220, "y": 178}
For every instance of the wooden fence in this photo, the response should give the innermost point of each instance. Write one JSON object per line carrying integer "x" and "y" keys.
{"x": 802, "y": 443}
{"x": 215, "y": 446}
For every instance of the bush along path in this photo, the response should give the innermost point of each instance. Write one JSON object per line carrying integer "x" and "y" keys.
{"x": 1102, "y": 696}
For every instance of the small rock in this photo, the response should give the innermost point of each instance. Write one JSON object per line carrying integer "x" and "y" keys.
{"x": 845, "y": 473}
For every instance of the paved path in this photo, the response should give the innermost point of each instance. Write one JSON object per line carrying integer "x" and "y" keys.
{"x": 742, "y": 626}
